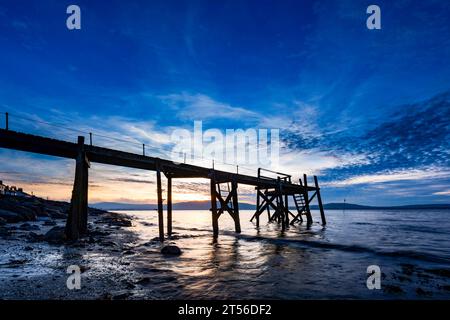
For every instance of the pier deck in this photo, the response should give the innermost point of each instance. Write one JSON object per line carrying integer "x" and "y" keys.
{"x": 272, "y": 193}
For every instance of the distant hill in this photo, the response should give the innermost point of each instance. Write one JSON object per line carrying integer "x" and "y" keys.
{"x": 206, "y": 205}
{"x": 188, "y": 205}
{"x": 352, "y": 206}
{"x": 123, "y": 206}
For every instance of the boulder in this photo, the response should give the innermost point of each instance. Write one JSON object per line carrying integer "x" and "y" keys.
{"x": 56, "y": 235}
{"x": 19, "y": 208}
{"x": 2, "y": 221}
{"x": 171, "y": 250}
{"x": 10, "y": 217}
{"x": 4, "y": 232}
{"x": 55, "y": 214}
{"x": 29, "y": 227}
{"x": 34, "y": 237}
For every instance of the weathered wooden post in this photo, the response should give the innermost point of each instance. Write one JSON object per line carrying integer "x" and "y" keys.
{"x": 160, "y": 204}
{"x": 286, "y": 205}
{"x": 257, "y": 206}
{"x": 215, "y": 217}
{"x": 169, "y": 205}
{"x": 307, "y": 211}
{"x": 280, "y": 206}
{"x": 237, "y": 222}
{"x": 84, "y": 195}
{"x": 319, "y": 201}
{"x": 76, "y": 224}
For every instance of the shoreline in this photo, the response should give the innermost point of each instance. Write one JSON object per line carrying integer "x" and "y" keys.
{"x": 33, "y": 265}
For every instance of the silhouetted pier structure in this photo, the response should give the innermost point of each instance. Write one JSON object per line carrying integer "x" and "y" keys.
{"x": 272, "y": 193}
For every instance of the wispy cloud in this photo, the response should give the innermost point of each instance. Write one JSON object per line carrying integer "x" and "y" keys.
{"x": 392, "y": 176}
{"x": 442, "y": 193}
{"x": 203, "y": 107}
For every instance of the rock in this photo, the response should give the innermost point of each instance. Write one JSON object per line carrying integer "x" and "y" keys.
{"x": 109, "y": 244}
{"x": 129, "y": 286}
{"x": 17, "y": 262}
{"x": 122, "y": 222}
{"x": 55, "y": 214}
{"x": 440, "y": 272}
{"x": 422, "y": 292}
{"x": 121, "y": 296}
{"x": 55, "y": 235}
{"x": 12, "y": 205}
{"x": 29, "y": 227}
{"x": 83, "y": 269}
{"x": 49, "y": 223}
{"x": 392, "y": 289}
{"x": 28, "y": 248}
{"x": 2, "y": 221}
{"x": 106, "y": 296}
{"x": 34, "y": 237}
{"x": 10, "y": 217}
{"x": 4, "y": 232}
{"x": 43, "y": 215}
{"x": 171, "y": 250}
{"x": 98, "y": 233}
{"x": 96, "y": 212}
{"x": 143, "y": 281}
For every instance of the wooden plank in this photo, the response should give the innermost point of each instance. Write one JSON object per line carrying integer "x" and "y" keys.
{"x": 43, "y": 145}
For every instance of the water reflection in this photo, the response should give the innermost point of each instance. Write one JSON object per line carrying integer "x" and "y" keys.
{"x": 266, "y": 262}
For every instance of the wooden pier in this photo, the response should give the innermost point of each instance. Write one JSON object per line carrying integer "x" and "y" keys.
{"x": 273, "y": 193}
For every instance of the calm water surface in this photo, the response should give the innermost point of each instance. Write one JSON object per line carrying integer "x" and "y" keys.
{"x": 411, "y": 247}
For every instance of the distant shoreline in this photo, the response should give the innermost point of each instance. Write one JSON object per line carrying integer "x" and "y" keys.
{"x": 205, "y": 205}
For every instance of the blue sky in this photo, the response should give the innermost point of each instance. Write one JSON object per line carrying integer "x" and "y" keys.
{"x": 366, "y": 110}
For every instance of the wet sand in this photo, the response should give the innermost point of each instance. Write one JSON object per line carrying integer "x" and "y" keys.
{"x": 34, "y": 268}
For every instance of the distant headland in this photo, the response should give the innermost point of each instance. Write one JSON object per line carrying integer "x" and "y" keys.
{"x": 205, "y": 205}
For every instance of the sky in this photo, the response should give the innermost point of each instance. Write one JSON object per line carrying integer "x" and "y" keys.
{"x": 367, "y": 111}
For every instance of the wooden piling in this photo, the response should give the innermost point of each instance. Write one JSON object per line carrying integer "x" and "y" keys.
{"x": 309, "y": 220}
{"x": 286, "y": 206}
{"x": 169, "y": 206}
{"x": 84, "y": 196}
{"x": 319, "y": 201}
{"x": 76, "y": 223}
{"x": 258, "y": 202}
{"x": 237, "y": 222}
{"x": 160, "y": 205}
{"x": 214, "y": 214}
